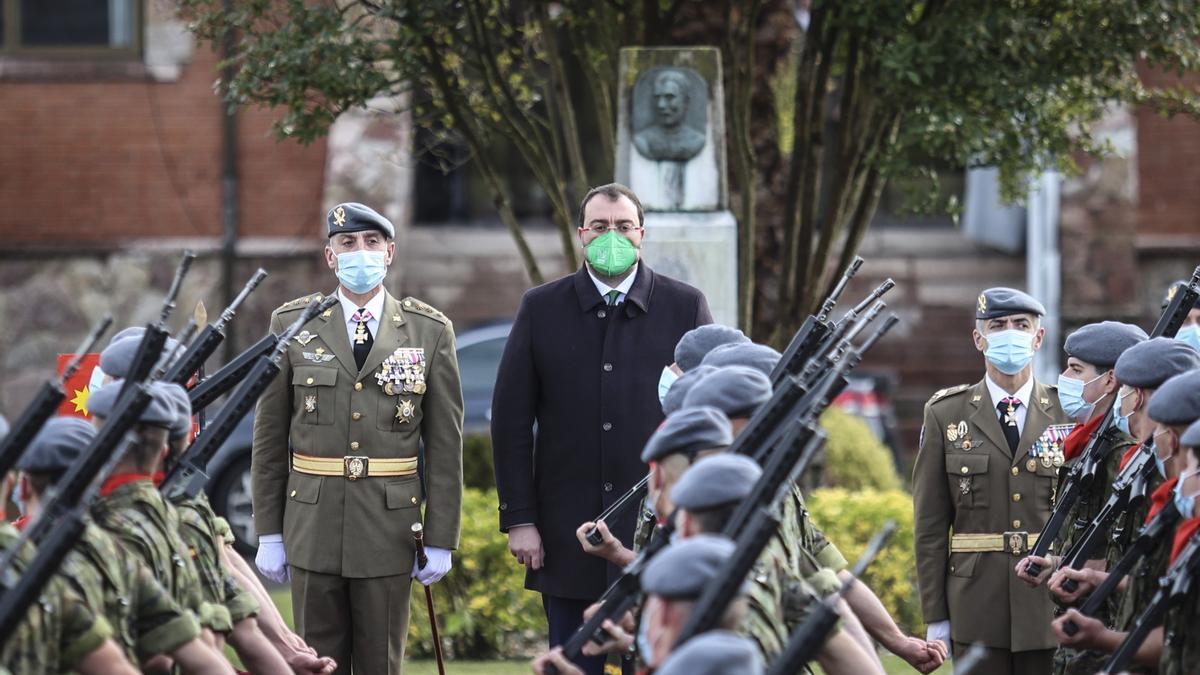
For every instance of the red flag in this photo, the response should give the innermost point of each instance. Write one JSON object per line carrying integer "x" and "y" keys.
{"x": 81, "y": 384}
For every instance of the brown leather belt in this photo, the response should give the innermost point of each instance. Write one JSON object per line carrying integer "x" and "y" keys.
{"x": 353, "y": 467}
{"x": 1016, "y": 542}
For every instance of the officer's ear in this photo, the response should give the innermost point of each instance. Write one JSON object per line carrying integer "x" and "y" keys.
{"x": 1039, "y": 337}
{"x": 980, "y": 341}
{"x": 391, "y": 252}
{"x": 330, "y": 256}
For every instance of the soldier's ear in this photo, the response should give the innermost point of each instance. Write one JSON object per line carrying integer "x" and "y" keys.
{"x": 980, "y": 341}
{"x": 391, "y": 252}
{"x": 330, "y": 257}
{"x": 1038, "y": 338}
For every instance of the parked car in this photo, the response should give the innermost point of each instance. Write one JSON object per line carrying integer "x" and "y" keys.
{"x": 228, "y": 487}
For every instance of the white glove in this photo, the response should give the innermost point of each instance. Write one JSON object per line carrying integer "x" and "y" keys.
{"x": 435, "y": 568}
{"x": 939, "y": 630}
{"x": 271, "y": 559}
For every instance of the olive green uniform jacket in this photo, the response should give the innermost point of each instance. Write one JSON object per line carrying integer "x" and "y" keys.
{"x": 973, "y": 484}
{"x": 321, "y": 405}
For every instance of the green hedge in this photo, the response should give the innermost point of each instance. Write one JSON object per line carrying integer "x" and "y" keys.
{"x": 849, "y": 518}
{"x": 478, "y": 471}
{"x": 483, "y": 608}
{"x": 854, "y": 458}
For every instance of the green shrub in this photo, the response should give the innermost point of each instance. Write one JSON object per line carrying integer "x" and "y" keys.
{"x": 854, "y": 458}
{"x": 849, "y": 518}
{"x": 478, "y": 471}
{"x": 483, "y": 608}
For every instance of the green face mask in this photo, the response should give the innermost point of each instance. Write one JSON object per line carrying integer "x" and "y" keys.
{"x": 611, "y": 254}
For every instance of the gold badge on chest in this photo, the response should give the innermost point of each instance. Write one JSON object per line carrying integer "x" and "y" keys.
{"x": 310, "y": 404}
{"x": 403, "y": 372}
{"x": 406, "y": 411}
{"x": 959, "y": 435}
{"x": 304, "y": 338}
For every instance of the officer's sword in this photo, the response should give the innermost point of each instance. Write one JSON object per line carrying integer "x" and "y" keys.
{"x": 418, "y": 532}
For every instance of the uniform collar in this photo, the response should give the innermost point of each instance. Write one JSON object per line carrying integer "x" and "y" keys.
{"x": 115, "y": 481}
{"x": 374, "y": 305}
{"x": 1024, "y": 394}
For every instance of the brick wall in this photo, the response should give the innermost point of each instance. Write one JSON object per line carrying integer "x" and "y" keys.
{"x": 1168, "y": 167}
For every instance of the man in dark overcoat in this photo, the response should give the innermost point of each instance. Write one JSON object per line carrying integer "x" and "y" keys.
{"x": 582, "y": 365}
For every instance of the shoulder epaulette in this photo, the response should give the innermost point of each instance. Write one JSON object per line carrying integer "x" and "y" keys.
{"x": 298, "y": 303}
{"x": 948, "y": 391}
{"x": 411, "y": 304}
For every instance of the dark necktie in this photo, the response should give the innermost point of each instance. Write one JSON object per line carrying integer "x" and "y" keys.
{"x": 612, "y": 297}
{"x": 362, "y": 337}
{"x": 1007, "y": 408}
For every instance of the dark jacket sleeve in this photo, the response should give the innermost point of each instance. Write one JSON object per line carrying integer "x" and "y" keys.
{"x": 514, "y": 409}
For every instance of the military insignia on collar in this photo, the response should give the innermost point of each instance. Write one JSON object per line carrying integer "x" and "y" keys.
{"x": 982, "y": 303}
{"x": 403, "y": 372}
{"x": 318, "y": 356}
{"x": 405, "y": 411}
{"x": 304, "y": 338}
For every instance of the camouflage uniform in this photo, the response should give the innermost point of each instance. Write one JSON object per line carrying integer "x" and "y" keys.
{"x": 778, "y": 601}
{"x": 147, "y": 526}
{"x": 205, "y": 539}
{"x": 1126, "y": 526}
{"x": 1181, "y": 634}
{"x": 810, "y": 555}
{"x": 145, "y": 620}
{"x": 1068, "y": 660}
{"x": 57, "y": 632}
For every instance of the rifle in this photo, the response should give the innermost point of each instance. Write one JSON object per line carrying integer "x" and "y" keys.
{"x": 1084, "y": 470}
{"x": 211, "y": 337}
{"x": 808, "y": 637}
{"x": 149, "y": 351}
{"x": 47, "y": 400}
{"x": 187, "y": 477}
{"x": 813, "y": 331}
{"x": 1172, "y": 589}
{"x": 632, "y": 496}
{"x": 1160, "y": 526}
{"x": 1124, "y": 497}
{"x": 204, "y": 393}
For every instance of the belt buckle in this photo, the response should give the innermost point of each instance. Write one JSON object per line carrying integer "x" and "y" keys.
{"x": 354, "y": 467}
{"x": 1016, "y": 542}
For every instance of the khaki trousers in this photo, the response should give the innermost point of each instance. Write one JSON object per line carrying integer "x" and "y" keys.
{"x": 1004, "y": 662}
{"x": 360, "y": 623}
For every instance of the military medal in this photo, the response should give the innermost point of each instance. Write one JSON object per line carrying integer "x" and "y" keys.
{"x": 966, "y": 444}
{"x": 403, "y": 372}
{"x": 360, "y": 334}
{"x": 964, "y": 486}
{"x": 1031, "y": 465}
{"x": 405, "y": 411}
{"x": 952, "y": 432}
{"x": 310, "y": 404}
{"x": 304, "y": 338}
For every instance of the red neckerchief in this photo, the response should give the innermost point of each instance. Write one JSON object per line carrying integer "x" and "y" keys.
{"x": 117, "y": 480}
{"x": 1160, "y": 497}
{"x": 1077, "y": 440}
{"x": 158, "y": 477}
{"x": 1183, "y": 534}
{"x": 1129, "y": 455}
{"x": 21, "y": 522}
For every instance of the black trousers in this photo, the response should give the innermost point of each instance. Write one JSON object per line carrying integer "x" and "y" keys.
{"x": 565, "y": 616}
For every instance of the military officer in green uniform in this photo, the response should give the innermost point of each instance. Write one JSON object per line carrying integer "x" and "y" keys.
{"x": 982, "y": 490}
{"x": 336, "y": 438}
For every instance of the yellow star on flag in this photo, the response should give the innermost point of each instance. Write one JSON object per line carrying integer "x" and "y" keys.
{"x": 80, "y": 400}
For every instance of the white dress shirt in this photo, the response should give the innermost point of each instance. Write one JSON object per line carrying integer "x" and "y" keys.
{"x": 1023, "y": 395}
{"x": 622, "y": 288}
{"x": 374, "y": 306}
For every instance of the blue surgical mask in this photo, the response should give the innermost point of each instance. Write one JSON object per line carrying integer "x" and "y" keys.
{"x": 1159, "y": 462}
{"x": 665, "y": 381}
{"x": 1009, "y": 350}
{"x": 1070, "y": 395}
{"x": 1119, "y": 420}
{"x": 1189, "y": 335}
{"x": 1185, "y": 504}
{"x": 643, "y": 642}
{"x": 17, "y": 500}
{"x": 361, "y": 271}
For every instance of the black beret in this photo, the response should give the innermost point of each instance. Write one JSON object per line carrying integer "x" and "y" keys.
{"x": 117, "y": 357}
{"x": 1176, "y": 401}
{"x": 716, "y": 652}
{"x": 716, "y": 481}
{"x": 1191, "y": 437}
{"x": 1172, "y": 290}
{"x": 679, "y": 388}
{"x": 1101, "y": 344}
{"x": 698, "y": 342}
{"x": 735, "y": 390}
{"x": 159, "y": 413}
{"x": 1148, "y": 364}
{"x": 1001, "y": 301}
{"x": 683, "y": 569}
{"x": 759, "y": 357}
{"x": 57, "y": 445}
{"x": 688, "y": 431}
{"x": 349, "y": 217}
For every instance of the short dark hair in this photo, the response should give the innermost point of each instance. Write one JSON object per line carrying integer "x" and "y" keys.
{"x": 713, "y": 521}
{"x": 613, "y": 191}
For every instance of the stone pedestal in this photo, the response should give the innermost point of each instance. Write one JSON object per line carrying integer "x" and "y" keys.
{"x": 671, "y": 152}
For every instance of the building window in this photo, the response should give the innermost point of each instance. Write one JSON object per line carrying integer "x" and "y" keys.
{"x": 83, "y": 28}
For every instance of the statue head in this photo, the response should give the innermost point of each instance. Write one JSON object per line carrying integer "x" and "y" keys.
{"x": 670, "y": 97}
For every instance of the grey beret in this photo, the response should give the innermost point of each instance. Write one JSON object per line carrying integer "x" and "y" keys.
{"x": 759, "y": 357}
{"x": 1172, "y": 290}
{"x": 1176, "y": 401}
{"x": 350, "y": 217}
{"x": 688, "y": 431}
{"x": 3, "y": 427}
{"x": 735, "y": 390}
{"x": 1101, "y": 344}
{"x": 1148, "y": 364}
{"x": 716, "y": 481}
{"x": 683, "y": 569}
{"x": 1001, "y": 301}
{"x": 159, "y": 413}
{"x": 177, "y": 397}
{"x": 716, "y": 652}
{"x": 679, "y": 388}
{"x": 1191, "y": 437}
{"x": 699, "y": 341}
{"x": 57, "y": 445}
{"x": 117, "y": 358}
